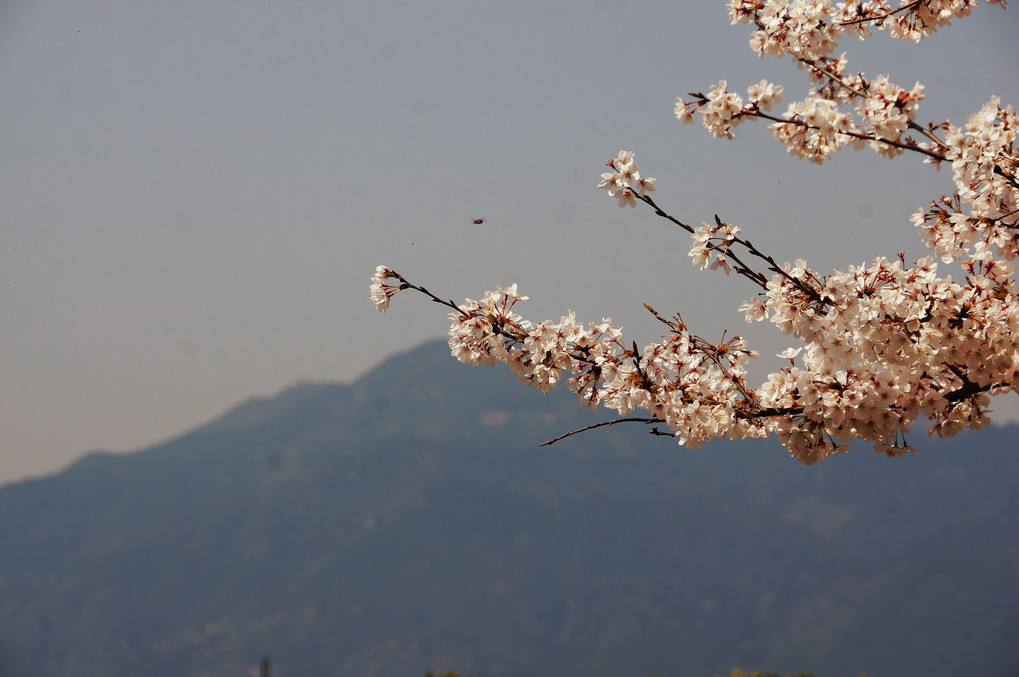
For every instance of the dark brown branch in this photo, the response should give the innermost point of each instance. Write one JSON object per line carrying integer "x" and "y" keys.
{"x": 1008, "y": 177}
{"x": 741, "y": 268}
{"x": 646, "y": 421}
{"x": 902, "y": 145}
{"x": 928, "y": 132}
{"x": 881, "y": 17}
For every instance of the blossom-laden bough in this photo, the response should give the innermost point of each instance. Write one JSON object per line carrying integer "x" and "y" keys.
{"x": 882, "y": 344}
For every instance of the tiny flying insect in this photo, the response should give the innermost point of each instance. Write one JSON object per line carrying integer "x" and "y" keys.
{"x": 478, "y": 222}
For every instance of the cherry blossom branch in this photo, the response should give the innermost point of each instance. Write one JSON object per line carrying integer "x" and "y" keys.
{"x": 711, "y": 350}
{"x": 826, "y": 67}
{"x": 625, "y": 183}
{"x": 883, "y": 344}
{"x": 877, "y": 18}
{"x": 908, "y": 144}
{"x": 406, "y": 284}
{"x": 740, "y": 267}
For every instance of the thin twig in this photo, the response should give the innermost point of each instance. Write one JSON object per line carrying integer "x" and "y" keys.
{"x": 881, "y": 17}
{"x": 742, "y": 268}
{"x": 1008, "y": 177}
{"x": 856, "y": 135}
{"x": 647, "y": 421}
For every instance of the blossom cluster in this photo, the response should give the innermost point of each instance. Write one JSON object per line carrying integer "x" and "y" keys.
{"x": 812, "y": 28}
{"x": 712, "y": 246}
{"x": 694, "y": 387}
{"x": 980, "y": 221}
{"x": 381, "y": 291}
{"x": 624, "y": 181}
{"x": 881, "y": 344}
{"x": 885, "y": 344}
{"x": 843, "y": 109}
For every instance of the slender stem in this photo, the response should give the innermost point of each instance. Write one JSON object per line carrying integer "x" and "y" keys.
{"x": 881, "y": 17}
{"x": 856, "y": 135}
{"x": 741, "y": 268}
{"x": 831, "y": 75}
{"x": 407, "y": 284}
{"x": 928, "y": 133}
{"x": 676, "y": 327}
{"x": 646, "y": 421}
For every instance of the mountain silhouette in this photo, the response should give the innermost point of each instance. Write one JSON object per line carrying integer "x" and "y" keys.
{"x": 409, "y": 522}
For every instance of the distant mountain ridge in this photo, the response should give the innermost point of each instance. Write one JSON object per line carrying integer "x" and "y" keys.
{"x": 409, "y": 522}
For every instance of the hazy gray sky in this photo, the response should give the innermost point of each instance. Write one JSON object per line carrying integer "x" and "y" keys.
{"x": 195, "y": 194}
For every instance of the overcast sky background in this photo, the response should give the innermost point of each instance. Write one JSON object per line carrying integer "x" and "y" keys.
{"x": 195, "y": 194}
